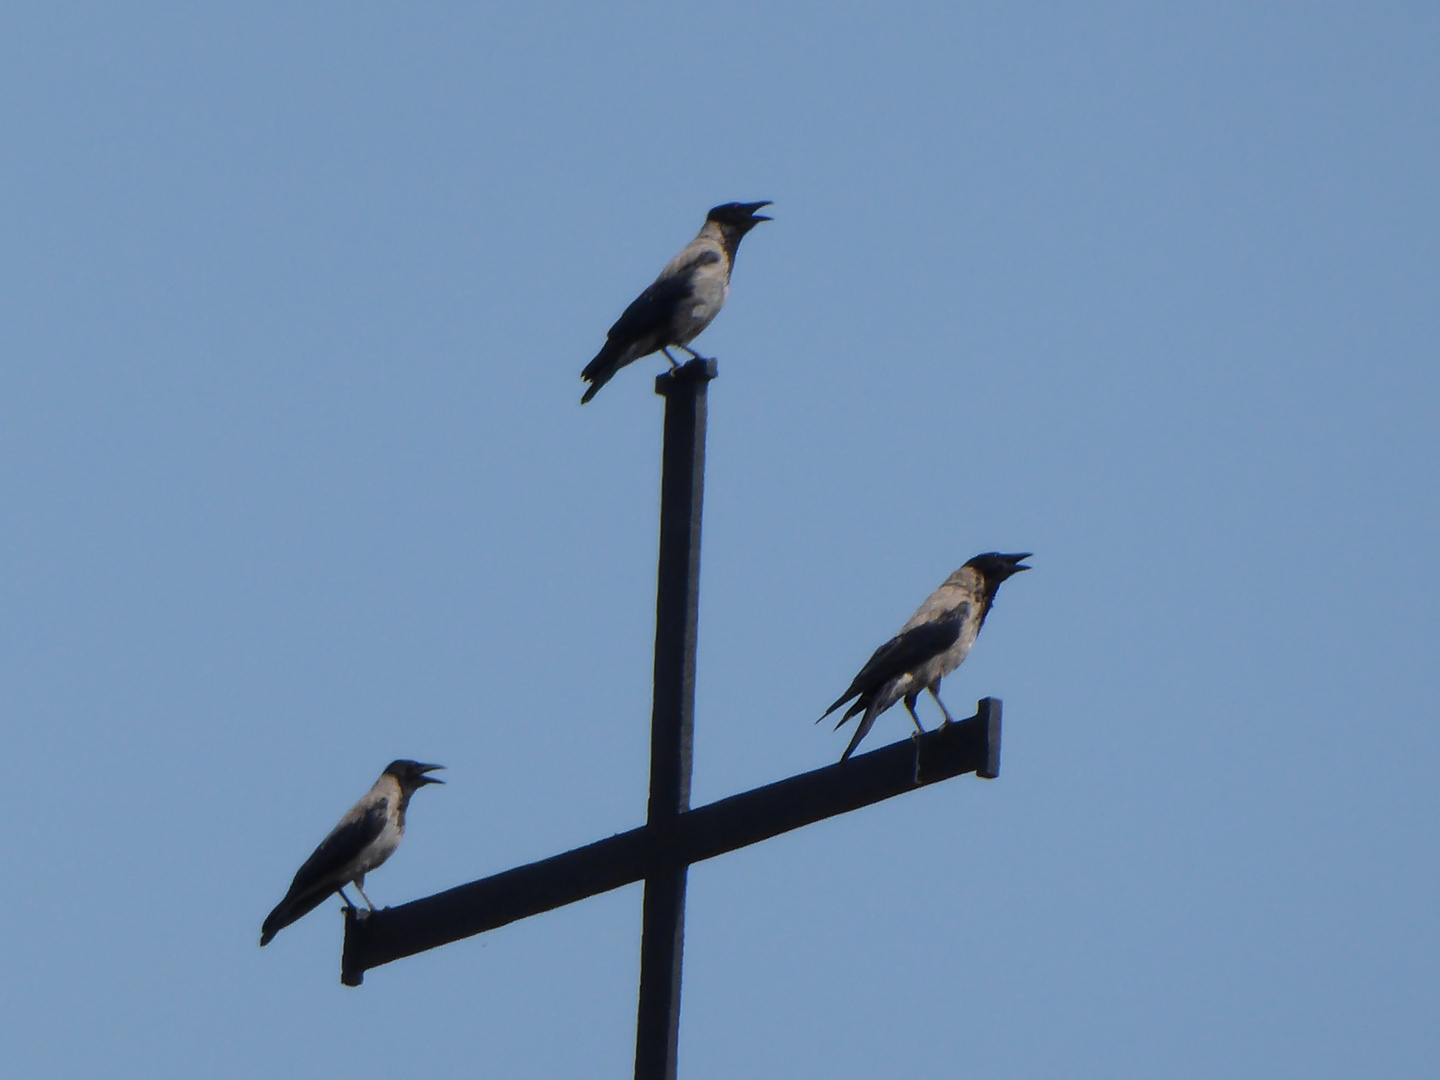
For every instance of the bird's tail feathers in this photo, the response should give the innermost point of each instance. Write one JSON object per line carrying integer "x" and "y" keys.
{"x": 603, "y": 359}
{"x": 838, "y": 702}
{"x": 289, "y": 910}
{"x": 854, "y": 711}
{"x": 860, "y": 732}
{"x": 594, "y": 389}
{"x": 600, "y": 370}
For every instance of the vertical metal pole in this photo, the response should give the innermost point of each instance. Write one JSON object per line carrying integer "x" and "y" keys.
{"x": 672, "y": 725}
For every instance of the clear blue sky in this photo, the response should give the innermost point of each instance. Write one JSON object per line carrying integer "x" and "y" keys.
{"x": 295, "y": 481}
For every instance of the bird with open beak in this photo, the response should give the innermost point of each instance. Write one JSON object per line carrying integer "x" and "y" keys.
{"x": 682, "y": 301}
{"x": 365, "y": 838}
{"x": 932, "y": 644}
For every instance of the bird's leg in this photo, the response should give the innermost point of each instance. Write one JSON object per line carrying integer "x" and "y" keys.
{"x": 348, "y": 904}
{"x": 910, "y": 705}
{"x": 361, "y": 891}
{"x": 692, "y": 352}
{"x": 933, "y": 693}
{"x": 673, "y": 362}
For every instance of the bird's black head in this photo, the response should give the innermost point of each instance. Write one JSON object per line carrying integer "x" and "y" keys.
{"x": 411, "y": 774}
{"x": 995, "y": 567}
{"x": 739, "y": 216}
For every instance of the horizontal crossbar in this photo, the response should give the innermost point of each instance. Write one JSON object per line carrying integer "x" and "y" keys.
{"x": 372, "y": 939}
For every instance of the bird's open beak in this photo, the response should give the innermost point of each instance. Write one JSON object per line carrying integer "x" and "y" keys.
{"x": 429, "y": 779}
{"x": 1015, "y": 566}
{"x": 750, "y": 209}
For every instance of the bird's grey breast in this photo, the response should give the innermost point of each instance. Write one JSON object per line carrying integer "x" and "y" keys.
{"x": 385, "y": 797}
{"x": 954, "y": 656}
{"x": 708, "y": 276}
{"x": 384, "y": 845}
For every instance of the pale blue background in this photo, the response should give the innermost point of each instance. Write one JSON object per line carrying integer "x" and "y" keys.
{"x": 295, "y": 481}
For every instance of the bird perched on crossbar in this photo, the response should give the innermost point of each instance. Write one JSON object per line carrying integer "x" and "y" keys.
{"x": 682, "y": 301}
{"x": 932, "y": 644}
{"x": 365, "y": 838}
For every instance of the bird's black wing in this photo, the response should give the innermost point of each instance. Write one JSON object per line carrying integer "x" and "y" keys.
{"x": 316, "y": 880}
{"x": 646, "y": 325}
{"x": 903, "y": 652}
{"x": 654, "y": 308}
{"x": 344, "y": 843}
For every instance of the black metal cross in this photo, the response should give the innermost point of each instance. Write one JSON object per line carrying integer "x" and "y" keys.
{"x": 674, "y": 836}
